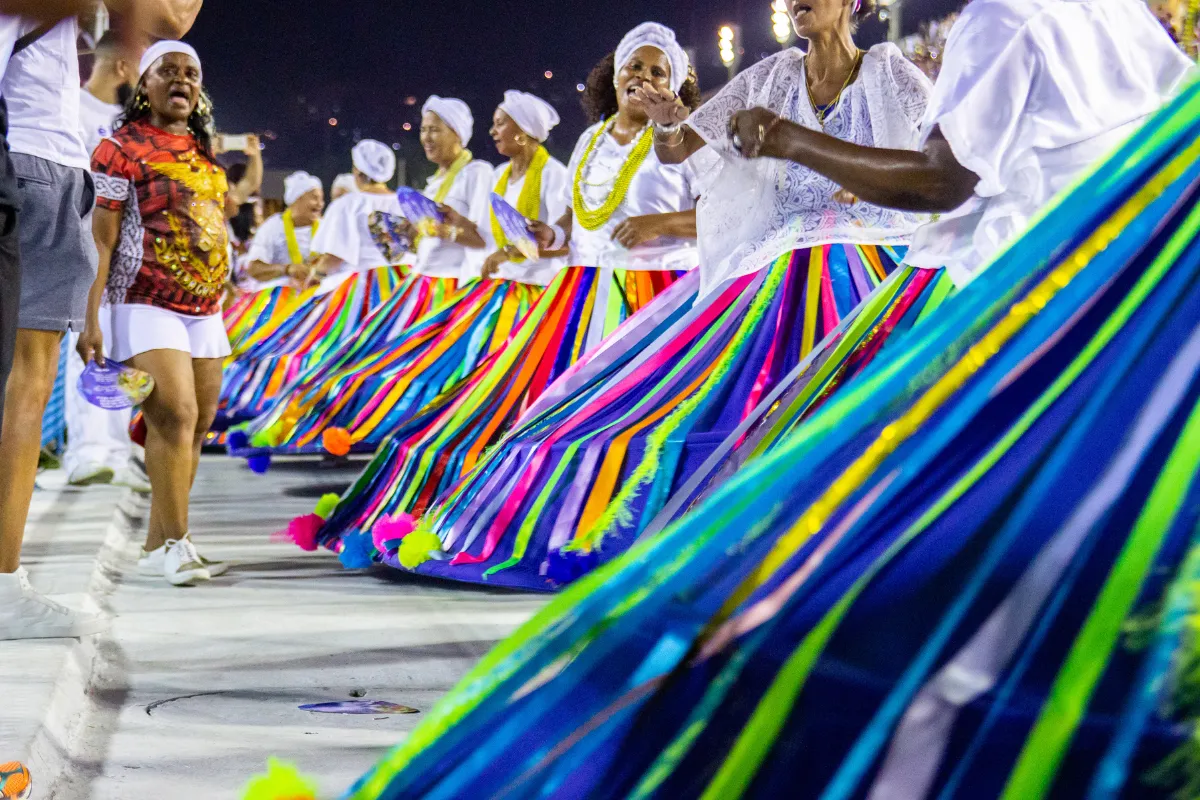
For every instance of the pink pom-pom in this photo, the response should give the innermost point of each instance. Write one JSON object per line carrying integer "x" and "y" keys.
{"x": 392, "y": 529}
{"x": 302, "y": 531}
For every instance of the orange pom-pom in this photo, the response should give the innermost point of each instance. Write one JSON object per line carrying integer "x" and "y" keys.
{"x": 336, "y": 441}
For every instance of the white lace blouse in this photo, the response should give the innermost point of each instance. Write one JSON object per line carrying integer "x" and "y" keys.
{"x": 752, "y": 212}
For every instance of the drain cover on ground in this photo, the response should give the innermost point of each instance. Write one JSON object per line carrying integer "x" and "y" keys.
{"x": 359, "y": 707}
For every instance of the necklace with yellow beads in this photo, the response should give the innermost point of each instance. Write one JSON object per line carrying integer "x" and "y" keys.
{"x": 594, "y": 219}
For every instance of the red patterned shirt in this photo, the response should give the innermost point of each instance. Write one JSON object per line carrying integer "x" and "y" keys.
{"x": 173, "y": 250}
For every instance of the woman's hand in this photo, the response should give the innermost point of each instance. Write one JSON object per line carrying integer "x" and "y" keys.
{"x": 91, "y": 343}
{"x": 543, "y": 234}
{"x": 299, "y": 273}
{"x": 492, "y": 264}
{"x": 637, "y": 230}
{"x": 662, "y": 106}
{"x": 453, "y": 223}
{"x": 751, "y": 130}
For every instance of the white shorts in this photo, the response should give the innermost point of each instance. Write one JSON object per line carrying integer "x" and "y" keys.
{"x": 139, "y": 328}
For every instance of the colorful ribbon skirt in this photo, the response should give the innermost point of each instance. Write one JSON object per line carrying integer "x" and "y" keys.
{"x": 438, "y": 443}
{"x": 970, "y": 573}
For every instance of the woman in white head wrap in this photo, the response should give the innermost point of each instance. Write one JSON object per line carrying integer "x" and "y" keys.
{"x": 458, "y": 187}
{"x": 344, "y": 244}
{"x": 348, "y": 274}
{"x": 533, "y": 182}
{"x": 634, "y": 236}
{"x": 282, "y": 245}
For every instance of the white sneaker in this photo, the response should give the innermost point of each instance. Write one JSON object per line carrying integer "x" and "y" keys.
{"x": 153, "y": 565}
{"x": 130, "y": 479}
{"x": 25, "y": 614}
{"x": 90, "y": 475}
{"x": 182, "y": 565}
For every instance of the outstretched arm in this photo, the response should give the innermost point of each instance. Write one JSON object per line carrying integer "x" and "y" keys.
{"x": 162, "y": 19}
{"x": 930, "y": 180}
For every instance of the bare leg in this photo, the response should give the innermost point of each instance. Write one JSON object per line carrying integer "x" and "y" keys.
{"x": 35, "y": 364}
{"x": 207, "y": 374}
{"x": 171, "y": 418}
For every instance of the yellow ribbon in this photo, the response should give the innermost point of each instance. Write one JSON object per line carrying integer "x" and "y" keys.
{"x": 289, "y": 233}
{"x": 529, "y": 204}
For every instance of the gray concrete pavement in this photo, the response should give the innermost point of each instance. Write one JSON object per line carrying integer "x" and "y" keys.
{"x": 193, "y": 688}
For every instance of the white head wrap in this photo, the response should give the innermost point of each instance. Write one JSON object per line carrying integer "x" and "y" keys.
{"x": 299, "y": 184}
{"x": 374, "y": 159}
{"x": 653, "y": 34}
{"x": 164, "y": 48}
{"x": 454, "y": 113}
{"x": 531, "y": 113}
{"x": 345, "y": 182}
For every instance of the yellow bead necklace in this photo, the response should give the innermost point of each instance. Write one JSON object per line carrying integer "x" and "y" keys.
{"x": 594, "y": 219}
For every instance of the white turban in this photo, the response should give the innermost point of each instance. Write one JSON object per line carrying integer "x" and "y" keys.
{"x": 374, "y": 159}
{"x": 299, "y": 184}
{"x": 531, "y": 113}
{"x": 653, "y": 34}
{"x": 344, "y": 181}
{"x": 164, "y": 48}
{"x": 454, "y": 113}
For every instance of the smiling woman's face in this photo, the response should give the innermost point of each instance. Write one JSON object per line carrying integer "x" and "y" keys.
{"x": 647, "y": 65}
{"x": 173, "y": 87}
{"x": 815, "y": 17}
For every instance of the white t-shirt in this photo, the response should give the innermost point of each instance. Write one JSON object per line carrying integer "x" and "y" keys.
{"x": 553, "y": 206}
{"x": 438, "y": 258}
{"x": 96, "y": 119}
{"x": 1032, "y": 93}
{"x": 345, "y": 233}
{"x": 270, "y": 246}
{"x": 656, "y": 188}
{"x": 753, "y": 211}
{"x": 41, "y": 87}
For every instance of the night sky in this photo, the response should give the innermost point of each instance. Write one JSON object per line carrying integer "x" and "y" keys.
{"x": 287, "y": 67}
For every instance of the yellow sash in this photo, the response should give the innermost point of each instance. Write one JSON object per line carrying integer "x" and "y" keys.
{"x": 289, "y": 233}
{"x": 529, "y": 204}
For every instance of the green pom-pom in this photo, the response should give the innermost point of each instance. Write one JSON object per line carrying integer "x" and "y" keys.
{"x": 261, "y": 439}
{"x": 326, "y": 506}
{"x": 282, "y": 782}
{"x": 416, "y": 548}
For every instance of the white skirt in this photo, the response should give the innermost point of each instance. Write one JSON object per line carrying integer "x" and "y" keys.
{"x": 139, "y": 328}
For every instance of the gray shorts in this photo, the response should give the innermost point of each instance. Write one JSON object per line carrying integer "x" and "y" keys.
{"x": 58, "y": 254}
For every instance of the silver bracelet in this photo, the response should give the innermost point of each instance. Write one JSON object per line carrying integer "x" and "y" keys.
{"x": 560, "y": 238}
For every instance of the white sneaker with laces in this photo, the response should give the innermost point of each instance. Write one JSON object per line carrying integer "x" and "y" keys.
{"x": 182, "y": 565}
{"x": 152, "y": 565}
{"x": 25, "y": 614}
{"x": 90, "y": 475}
